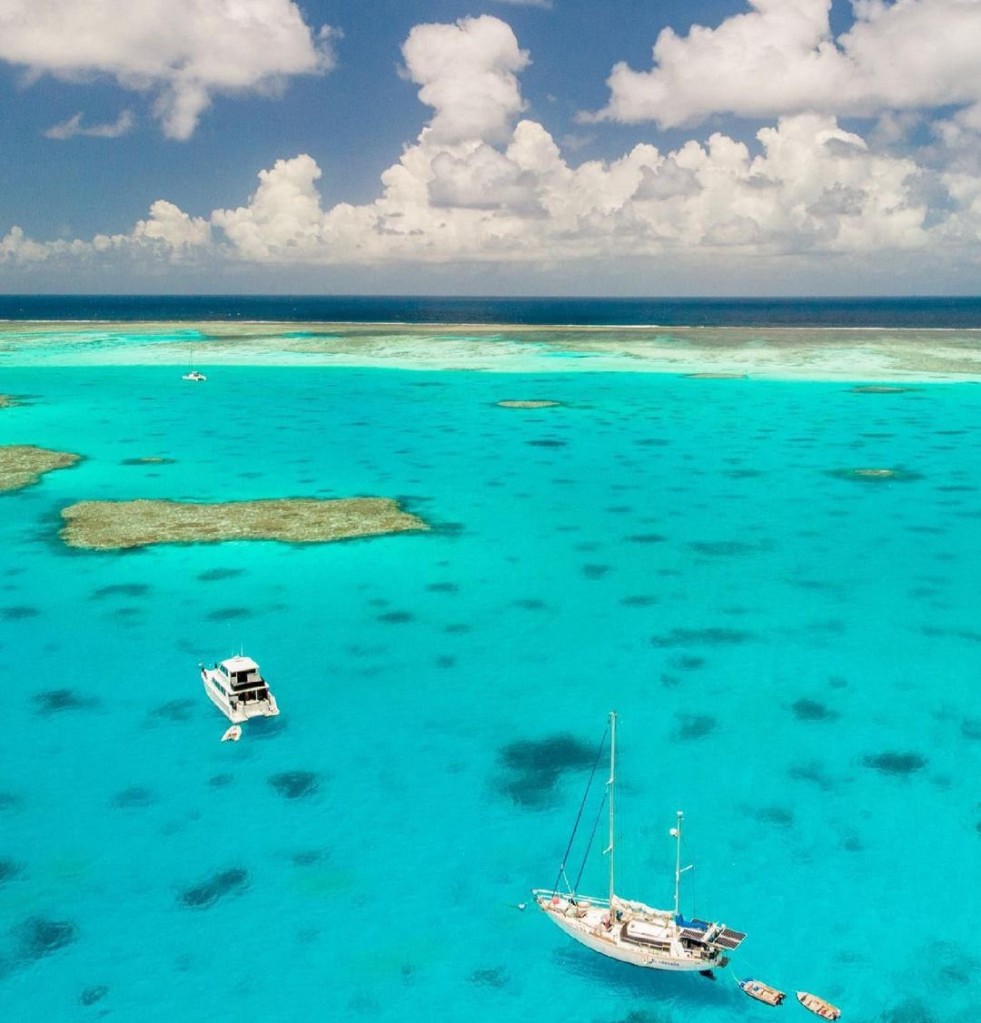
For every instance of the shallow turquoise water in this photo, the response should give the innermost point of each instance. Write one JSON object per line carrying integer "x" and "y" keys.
{"x": 771, "y": 634}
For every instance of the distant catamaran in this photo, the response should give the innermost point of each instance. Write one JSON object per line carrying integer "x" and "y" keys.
{"x": 633, "y": 932}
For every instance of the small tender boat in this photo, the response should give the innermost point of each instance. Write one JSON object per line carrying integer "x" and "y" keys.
{"x": 232, "y": 734}
{"x": 818, "y": 1006}
{"x": 238, "y": 690}
{"x": 762, "y": 992}
{"x": 194, "y": 375}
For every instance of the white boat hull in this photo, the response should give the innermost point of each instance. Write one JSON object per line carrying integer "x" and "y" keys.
{"x": 243, "y": 711}
{"x": 587, "y": 921}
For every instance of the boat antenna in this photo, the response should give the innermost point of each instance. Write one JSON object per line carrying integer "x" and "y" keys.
{"x": 613, "y": 763}
{"x": 678, "y": 868}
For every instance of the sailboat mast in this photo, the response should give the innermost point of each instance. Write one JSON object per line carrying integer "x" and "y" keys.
{"x": 611, "y": 796}
{"x": 676, "y": 831}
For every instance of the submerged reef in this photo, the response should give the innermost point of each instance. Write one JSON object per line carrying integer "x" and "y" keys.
{"x": 114, "y": 525}
{"x": 881, "y": 389}
{"x": 875, "y": 475}
{"x": 527, "y": 403}
{"x": 534, "y": 766}
{"x": 54, "y": 701}
{"x": 233, "y": 881}
{"x": 22, "y": 464}
{"x": 37, "y": 937}
{"x": 295, "y": 784}
{"x": 10, "y": 401}
{"x": 898, "y": 764}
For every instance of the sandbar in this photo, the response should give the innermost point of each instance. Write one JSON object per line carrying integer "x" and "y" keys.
{"x": 22, "y": 464}
{"x": 116, "y": 525}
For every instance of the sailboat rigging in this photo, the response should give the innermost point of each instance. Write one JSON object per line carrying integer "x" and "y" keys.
{"x": 632, "y": 931}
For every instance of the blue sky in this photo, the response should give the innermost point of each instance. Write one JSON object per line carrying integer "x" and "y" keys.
{"x": 650, "y": 147}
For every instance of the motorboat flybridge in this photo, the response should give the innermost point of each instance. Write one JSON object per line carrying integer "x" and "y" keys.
{"x": 237, "y": 688}
{"x": 631, "y": 931}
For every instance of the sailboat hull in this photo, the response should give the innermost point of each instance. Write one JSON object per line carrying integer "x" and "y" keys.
{"x": 653, "y": 943}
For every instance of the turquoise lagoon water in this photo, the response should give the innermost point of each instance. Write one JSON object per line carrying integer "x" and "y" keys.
{"x": 793, "y": 654}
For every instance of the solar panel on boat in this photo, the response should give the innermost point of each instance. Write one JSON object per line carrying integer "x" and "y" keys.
{"x": 728, "y": 938}
{"x": 692, "y": 935}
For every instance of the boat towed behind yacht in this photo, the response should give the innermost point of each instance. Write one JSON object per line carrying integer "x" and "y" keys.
{"x": 236, "y": 687}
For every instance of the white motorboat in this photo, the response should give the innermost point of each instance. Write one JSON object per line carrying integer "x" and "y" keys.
{"x": 236, "y": 687}
{"x": 631, "y": 931}
{"x": 194, "y": 375}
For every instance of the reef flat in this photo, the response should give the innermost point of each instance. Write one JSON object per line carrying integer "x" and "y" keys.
{"x": 22, "y": 464}
{"x": 855, "y": 354}
{"x": 115, "y": 525}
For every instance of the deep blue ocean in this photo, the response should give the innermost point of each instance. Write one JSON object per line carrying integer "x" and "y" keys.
{"x": 792, "y": 648}
{"x": 949, "y": 312}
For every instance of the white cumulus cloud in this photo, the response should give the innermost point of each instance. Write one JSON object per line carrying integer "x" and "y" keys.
{"x": 780, "y": 57}
{"x": 468, "y": 75}
{"x": 477, "y": 188}
{"x": 182, "y": 52}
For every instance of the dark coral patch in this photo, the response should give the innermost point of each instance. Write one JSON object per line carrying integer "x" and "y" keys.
{"x": 93, "y": 994}
{"x": 309, "y": 857}
{"x": 148, "y": 460}
{"x": 881, "y": 389}
{"x": 780, "y": 816}
{"x": 546, "y": 443}
{"x": 640, "y": 600}
{"x": 694, "y": 726}
{"x": 535, "y": 765}
{"x": 221, "y": 781}
{"x": 723, "y": 548}
{"x": 595, "y": 571}
{"x": 395, "y": 617}
{"x": 135, "y": 797}
{"x": 646, "y": 538}
{"x": 54, "y": 701}
{"x": 37, "y": 937}
{"x": 174, "y": 710}
{"x": 701, "y": 637}
{"x": 229, "y": 882}
{"x": 443, "y": 588}
{"x": 214, "y": 575}
{"x": 971, "y": 728}
{"x": 812, "y": 710}
{"x": 811, "y": 772}
{"x": 530, "y": 604}
{"x": 9, "y": 869}
{"x": 18, "y": 613}
{"x": 911, "y": 1010}
{"x": 121, "y": 590}
{"x": 295, "y": 784}
{"x": 896, "y": 764}
{"x": 496, "y": 976}
{"x": 224, "y": 614}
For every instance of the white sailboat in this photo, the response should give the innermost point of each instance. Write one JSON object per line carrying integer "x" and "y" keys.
{"x": 631, "y": 931}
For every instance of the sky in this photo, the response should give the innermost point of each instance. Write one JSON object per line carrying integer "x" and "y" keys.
{"x": 553, "y": 147}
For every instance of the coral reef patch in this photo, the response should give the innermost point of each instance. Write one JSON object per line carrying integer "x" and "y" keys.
{"x": 897, "y": 764}
{"x": 113, "y": 525}
{"x": 23, "y": 464}
{"x": 225, "y": 883}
